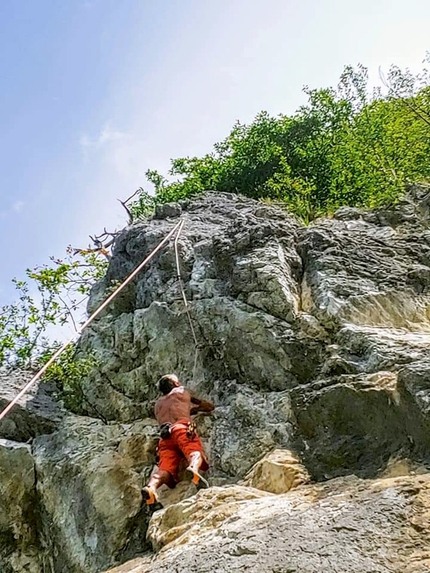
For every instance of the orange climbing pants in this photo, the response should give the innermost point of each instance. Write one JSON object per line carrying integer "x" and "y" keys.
{"x": 173, "y": 450}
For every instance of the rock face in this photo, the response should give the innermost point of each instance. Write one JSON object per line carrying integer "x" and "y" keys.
{"x": 314, "y": 344}
{"x": 242, "y": 274}
{"x": 347, "y": 525}
{"x": 204, "y": 512}
{"x": 90, "y": 477}
{"x": 278, "y": 472}
{"x": 19, "y": 548}
{"x": 36, "y": 413}
{"x": 306, "y": 335}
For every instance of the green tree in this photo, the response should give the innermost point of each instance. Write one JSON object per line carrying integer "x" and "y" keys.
{"x": 345, "y": 146}
{"x": 51, "y": 296}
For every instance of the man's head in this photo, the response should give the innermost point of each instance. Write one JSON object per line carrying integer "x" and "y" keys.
{"x": 167, "y": 383}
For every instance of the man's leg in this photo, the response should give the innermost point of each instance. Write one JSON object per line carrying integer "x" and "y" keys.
{"x": 196, "y": 463}
{"x": 192, "y": 448}
{"x": 157, "y": 479}
{"x": 169, "y": 460}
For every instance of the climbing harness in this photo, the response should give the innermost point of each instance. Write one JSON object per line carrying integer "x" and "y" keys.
{"x": 165, "y": 430}
{"x": 108, "y": 300}
{"x": 192, "y": 430}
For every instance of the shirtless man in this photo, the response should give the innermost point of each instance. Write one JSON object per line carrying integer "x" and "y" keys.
{"x": 178, "y": 440}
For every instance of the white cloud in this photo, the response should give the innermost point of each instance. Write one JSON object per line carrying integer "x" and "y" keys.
{"x": 114, "y": 165}
{"x": 106, "y": 136}
{"x": 111, "y": 149}
{"x": 115, "y": 151}
{"x": 18, "y": 206}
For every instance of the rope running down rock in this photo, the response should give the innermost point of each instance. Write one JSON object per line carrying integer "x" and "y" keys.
{"x": 184, "y": 297}
{"x": 177, "y": 228}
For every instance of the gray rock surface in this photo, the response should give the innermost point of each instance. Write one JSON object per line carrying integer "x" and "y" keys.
{"x": 36, "y": 413}
{"x": 356, "y": 273}
{"x": 314, "y": 344}
{"x": 343, "y": 526}
{"x": 242, "y": 275}
{"x": 19, "y": 548}
{"x": 241, "y": 270}
{"x": 296, "y": 328}
{"x": 89, "y": 479}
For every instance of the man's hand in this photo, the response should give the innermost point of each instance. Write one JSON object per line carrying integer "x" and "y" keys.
{"x": 200, "y": 405}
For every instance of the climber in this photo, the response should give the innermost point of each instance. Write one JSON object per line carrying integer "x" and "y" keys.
{"x": 178, "y": 437}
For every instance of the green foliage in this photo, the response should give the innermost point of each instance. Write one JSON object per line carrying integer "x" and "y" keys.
{"x": 67, "y": 373}
{"x": 144, "y": 204}
{"x": 51, "y": 296}
{"x": 346, "y": 146}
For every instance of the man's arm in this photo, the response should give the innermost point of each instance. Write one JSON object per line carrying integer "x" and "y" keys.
{"x": 199, "y": 405}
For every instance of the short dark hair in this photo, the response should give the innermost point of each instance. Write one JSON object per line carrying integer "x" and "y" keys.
{"x": 167, "y": 383}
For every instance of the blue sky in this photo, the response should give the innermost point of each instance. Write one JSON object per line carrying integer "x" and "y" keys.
{"x": 94, "y": 92}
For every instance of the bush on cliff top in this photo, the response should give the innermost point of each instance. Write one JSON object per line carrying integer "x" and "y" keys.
{"x": 346, "y": 146}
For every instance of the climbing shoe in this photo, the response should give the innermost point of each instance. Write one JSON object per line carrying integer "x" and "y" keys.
{"x": 149, "y": 495}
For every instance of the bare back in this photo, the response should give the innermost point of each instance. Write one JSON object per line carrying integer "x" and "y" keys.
{"x": 173, "y": 407}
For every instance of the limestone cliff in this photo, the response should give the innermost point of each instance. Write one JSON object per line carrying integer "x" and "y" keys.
{"x": 314, "y": 344}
